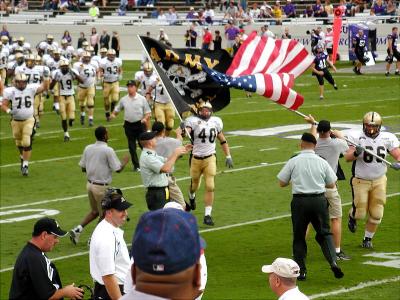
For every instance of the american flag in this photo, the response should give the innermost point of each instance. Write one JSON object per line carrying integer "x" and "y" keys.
{"x": 261, "y": 54}
{"x": 273, "y": 86}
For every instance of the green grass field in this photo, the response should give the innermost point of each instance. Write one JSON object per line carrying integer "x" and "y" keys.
{"x": 252, "y": 214}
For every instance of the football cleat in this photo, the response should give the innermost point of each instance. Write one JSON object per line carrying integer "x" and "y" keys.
{"x": 302, "y": 276}
{"x": 90, "y": 122}
{"x": 74, "y": 235}
{"x": 321, "y": 97}
{"x": 187, "y": 207}
{"x": 208, "y": 221}
{"x": 352, "y": 224}
{"x": 82, "y": 119}
{"x": 37, "y": 125}
{"x": 387, "y": 74}
{"x": 342, "y": 256}
{"x": 335, "y": 86}
{"x": 336, "y": 271}
{"x": 66, "y": 138}
{"x": 192, "y": 202}
{"x": 24, "y": 171}
{"x": 397, "y": 73}
{"x": 367, "y": 243}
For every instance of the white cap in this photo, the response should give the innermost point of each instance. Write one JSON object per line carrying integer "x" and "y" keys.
{"x": 283, "y": 267}
{"x": 173, "y": 204}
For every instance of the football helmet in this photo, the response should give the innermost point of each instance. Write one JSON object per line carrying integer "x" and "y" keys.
{"x": 30, "y": 61}
{"x": 204, "y": 110}
{"x": 20, "y": 81}
{"x": 38, "y": 59}
{"x": 89, "y": 49}
{"x": 85, "y": 44}
{"x": 4, "y": 39}
{"x": 64, "y": 42}
{"x": 56, "y": 54}
{"x": 49, "y": 38}
{"x": 19, "y": 58}
{"x": 21, "y": 41}
{"x": 372, "y": 123}
{"x": 103, "y": 52}
{"x": 86, "y": 57}
{"x": 111, "y": 54}
{"x": 147, "y": 69}
{"x": 64, "y": 66}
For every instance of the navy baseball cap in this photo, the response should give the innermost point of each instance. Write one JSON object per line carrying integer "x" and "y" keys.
{"x": 49, "y": 225}
{"x": 166, "y": 241}
{"x": 309, "y": 138}
{"x": 323, "y": 126}
{"x": 148, "y": 135}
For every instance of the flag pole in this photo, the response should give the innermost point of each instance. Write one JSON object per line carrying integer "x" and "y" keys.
{"x": 164, "y": 87}
{"x": 349, "y": 141}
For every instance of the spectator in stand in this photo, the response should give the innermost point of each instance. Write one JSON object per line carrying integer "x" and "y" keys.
{"x": 172, "y": 16}
{"x": 379, "y": 8}
{"x": 105, "y": 40}
{"x": 73, "y": 5}
{"x": 217, "y": 40}
{"x": 116, "y": 43}
{"x": 200, "y": 17}
{"x": 230, "y": 33}
{"x": 231, "y": 11}
{"x": 254, "y": 12}
{"x": 286, "y": 34}
{"x": 81, "y": 39}
{"x": 342, "y": 7}
{"x": 318, "y": 9}
{"x": 4, "y": 31}
{"x": 192, "y": 36}
{"x": 63, "y": 6}
{"x": 21, "y": 6}
{"x": 242, "y": 16}
{"x": 308, "y": 12}
{"x": 154, "y": 14}
{"x": 289, "y": 9}
{"x": 391, "y": 10}
{"x": 94, "y": 11}
{"x": 67, "y": 36}
{"x": 266, "y": 12}
{"x": 209, "y": 15}
{"x": 277, "y": 11}
{"x": 350, "y": 8}
{"x": 161, "y": 16}
{"x": 207, "y": 39}
{"x": 328, "y": 7}
{"x": 104, "y": 3}
{"x": 191, "y": 15}
{"x": 94, "y": 40}
{"x": 187, "y": 39}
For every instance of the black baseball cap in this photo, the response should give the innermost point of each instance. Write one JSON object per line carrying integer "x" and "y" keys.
{"x": 324, "y": 126}
{"x": 132, "y": 82}
{"x": 49, "y": 225}
{"x": 157, "y": 126}
{"x": 309, "y": 138}
{"x": 148, "y": 135}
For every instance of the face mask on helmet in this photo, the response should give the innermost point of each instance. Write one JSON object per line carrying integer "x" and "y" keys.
{"x": 205, "y": 113}
{"x": 20, "y": 60}
{"x": 20, "y": 84}
{"x": 64, "y": 69}
{"x": 372, "y": 123}
{"x": 110, "y": 57}
{"x": 30, "y": 63}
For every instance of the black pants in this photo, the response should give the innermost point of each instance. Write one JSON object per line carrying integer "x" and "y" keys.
{"x": 327, "y": 75}
{"x": 372, "y": 39}
{"x": 132, "y": 132}
{"x": 100, "y": 291}
{"x": 157, "y": 197}
{"x": 314, "y": 209}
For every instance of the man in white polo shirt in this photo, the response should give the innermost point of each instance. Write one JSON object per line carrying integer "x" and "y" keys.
{"x": 108, "y": 255}
{"x": 282, "y": 279}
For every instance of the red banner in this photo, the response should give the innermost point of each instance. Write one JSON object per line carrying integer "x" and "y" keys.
{"x": 337, "y": 27}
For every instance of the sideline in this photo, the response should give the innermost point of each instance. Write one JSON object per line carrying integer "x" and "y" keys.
{"x": 205, "y": 231}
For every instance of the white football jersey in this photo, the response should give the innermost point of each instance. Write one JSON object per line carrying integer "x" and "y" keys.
{"x": 204, "y": 134}
{"x": 110, "y": 69}
{"x": 13, "y": 65}
{"x": 66, "y": 82}
{"x": 145, "y": 81}
{"x": 21, "y": 101}
{"x": 68, "y": 52}
{"x": 367, "y": 166}
{"x": 87, "y": 72}
{"x": 96, "y": 59}
{"x": 4, "y": 54}
{"x": 52, "y": 64}
{"x": 33, "y": 74}
{"x": 45, "y": 46}
{"x": 158, "y": 93}
{"x": 40, "y": 69}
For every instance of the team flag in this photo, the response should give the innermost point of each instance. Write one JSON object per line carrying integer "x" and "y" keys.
{"x": 261, "y": 54}
{"x": 273, "y": 86}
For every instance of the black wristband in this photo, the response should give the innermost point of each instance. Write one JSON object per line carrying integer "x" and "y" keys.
{"x": 223, "y": 142}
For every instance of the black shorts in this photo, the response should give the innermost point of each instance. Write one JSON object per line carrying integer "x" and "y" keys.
{"x": 396, "y": 54}
{"x": 329, "y": 50}
{"x": 361, "y": 57}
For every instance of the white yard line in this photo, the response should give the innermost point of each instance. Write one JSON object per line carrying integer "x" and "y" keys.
{"x": 212, "y": 230}
{"x": 361, "y": 285}
{"x": 268, "y": 149}
{"x": 235, "y": 147}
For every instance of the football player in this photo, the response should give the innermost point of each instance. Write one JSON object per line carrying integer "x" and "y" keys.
{"x": 369, "y": 174}
{"x": 147, "y": 78}
{"x": 21, "y": 43}
{"x": 53, "y": 62}
{"x": 111, "y": 72}
{"x": 20, "y": 98}
{"x": 392, "y": 51}
{"x": 13, "y": 62}
{"x": 359, "y": 47}
{"x": 80, "y": 51}
{"x": 4, "y": 54}
{"x": 86, "y": 90}
{"x": 205, "y": 129}
{"x": 65, "y": 77}
{"x": 97, "y": 58}
{"x": 321, "y": 71}
{"x": 66, "y": 50}
{"x": 39, "y": 98}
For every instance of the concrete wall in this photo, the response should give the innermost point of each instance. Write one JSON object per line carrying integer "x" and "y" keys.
{"x": 131, "y": 49}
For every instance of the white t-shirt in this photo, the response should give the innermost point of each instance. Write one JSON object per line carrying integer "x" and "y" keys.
{"x": 21, "y": 101}
{"x": 66, "y": 82}
{"x": 293, "y": 294}
{"x": 87, "y": 72}
{"x": 366, "y": 166}
{"x": 330, "y": 150}
{"x": 108, "y": 253}
{"x": 111, "y": 69}
{"x": 205, "y": 133}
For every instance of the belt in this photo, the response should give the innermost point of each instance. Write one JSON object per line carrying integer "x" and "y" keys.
{"x": 156, "y": 187}
{"x": 19, "y": 120}
{"x": 110, "y": 81}
{"x": 97, "y": 183}
{"x": 308, "y": 195}
{"x": 202, "y": 157}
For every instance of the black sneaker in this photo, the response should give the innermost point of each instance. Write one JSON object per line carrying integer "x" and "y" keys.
{"x": 337, "y": 271}
{"x": 367, "y": 243}
{"x": 24, "y": 171}
{"x": 192, "y": 202}
{"x": 90, "y": 122}
{"x": 355, "y": 70}
{"x": 342, "y": 256}
{"x": 187, "y": 207}
{"x": 108, "y": 118}
{"x": 82, "y": 120}
{"x": 302, "y": 276}
{"x": 352, "y": 224}
{"x": 66, "y": 138}
{"x": 208, "y": 221}
{"x": 335, "y": 87}
{"x": 74, "y": 236}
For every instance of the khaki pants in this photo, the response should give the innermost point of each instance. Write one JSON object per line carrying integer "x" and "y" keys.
{"x": 369, "y": 196}
{"x": 165, "y": 113}
{"x": 96, "y": 194}
{"x": 67, "y": 107}
{"x": 175, "y": 193}
{"x": 86, "y": 96}
{"x": 335, "y": 203}
{"x": 110, "y": 90}
{"x": 22, "y": 131}
{"x": 206, "y": 167}
{"x": 38, "y": 105}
